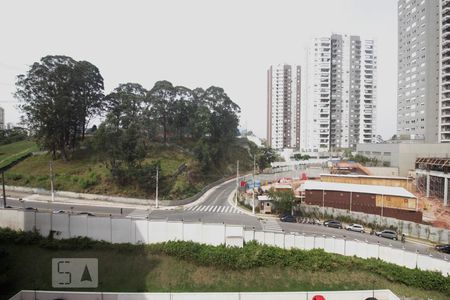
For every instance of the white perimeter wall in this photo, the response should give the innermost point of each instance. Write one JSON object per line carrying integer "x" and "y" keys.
{"x": 142, "y": 231}
{"x": 344, "y": 295}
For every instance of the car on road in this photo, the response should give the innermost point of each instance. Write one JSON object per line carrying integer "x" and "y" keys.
{"x": 389, "y": 234}
{"x": 443, "y": 248}
{"x": 288, "y": 218}
{"x": 59, "y": 211}
{"x": 333, "y": 224}
{"x": 355, "y": 227}
{"x": 31, "y": 208}
{"x": 86, "y": 213}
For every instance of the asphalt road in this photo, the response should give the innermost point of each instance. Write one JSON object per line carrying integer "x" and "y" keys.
{"x": 214, "y": 209}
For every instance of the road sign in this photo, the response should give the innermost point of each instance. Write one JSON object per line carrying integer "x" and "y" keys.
{"x": 75, "y": 272}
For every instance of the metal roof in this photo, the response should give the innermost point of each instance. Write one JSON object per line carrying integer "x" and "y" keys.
{"x": 365, "y": 176}
{"x": 357, "y": 188}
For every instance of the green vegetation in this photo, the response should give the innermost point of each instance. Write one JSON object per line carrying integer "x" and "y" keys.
{"x": 283, "y": 200}
{"x": 59, "y": 96}
{"x": 25, "y": 260}
{"x": 298, "y": 156}
{"x": 9, "y": 136}
{"x": 12, "y": 152}
{"x": 86, "y": 173}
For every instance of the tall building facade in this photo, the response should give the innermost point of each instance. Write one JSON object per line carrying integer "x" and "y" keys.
{"x": 283, "y": 106}
{"x": 418, "y": 70}
{"x": 340, "y": 107}
{"x": 444, "y": 73}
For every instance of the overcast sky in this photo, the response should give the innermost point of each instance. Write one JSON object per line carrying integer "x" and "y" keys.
{"x": 195, "y": 43}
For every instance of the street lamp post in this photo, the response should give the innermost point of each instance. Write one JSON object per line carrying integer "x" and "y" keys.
{"x": 51, "y": 181}
{"x": 254, "y": 167}
{"x": 237, "y": 183}
{"x": 156, "y": 195}
{"x": 4, "y": 193}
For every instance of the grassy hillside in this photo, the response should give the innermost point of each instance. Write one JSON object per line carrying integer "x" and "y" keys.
{"x": 86, "y": 173}
{"x": 12, "y": 152}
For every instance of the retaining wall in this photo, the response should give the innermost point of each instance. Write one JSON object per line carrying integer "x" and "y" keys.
{"x": 115, "y": 199}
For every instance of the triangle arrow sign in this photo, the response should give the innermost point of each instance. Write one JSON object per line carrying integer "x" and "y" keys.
{"x": 86, "y": 276}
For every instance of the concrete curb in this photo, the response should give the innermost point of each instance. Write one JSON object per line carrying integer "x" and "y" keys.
{"x": 247, "y": 212}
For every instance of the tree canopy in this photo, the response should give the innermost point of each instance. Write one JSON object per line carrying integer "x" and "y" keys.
{"x": 58, "y": 96}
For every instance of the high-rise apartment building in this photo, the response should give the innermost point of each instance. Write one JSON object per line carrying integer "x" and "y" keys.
{"x": 340, "y": 107}
{"x": 283, "y": 106}
{"x": 418, "y": 70}
{"x": 444, "y": 73}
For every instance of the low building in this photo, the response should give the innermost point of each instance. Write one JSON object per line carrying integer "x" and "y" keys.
{"x": 432, "y": 176}
{"x": 386, "y": 201}
{"x": 266, "y": 205}
{"x": 403, "y": 182}
{"x": 402, "y": 155}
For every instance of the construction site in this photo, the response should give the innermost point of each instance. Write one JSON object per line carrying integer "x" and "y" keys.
{"x": 432, "y": 184}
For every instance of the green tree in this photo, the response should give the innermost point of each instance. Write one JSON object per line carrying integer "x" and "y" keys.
{"x": 119, "y": 138}
{"x": 160, "y": 99}
{"x": 58, "y": 95}
{"x": 283, "y": 200}
{"x": 265, "y": 156}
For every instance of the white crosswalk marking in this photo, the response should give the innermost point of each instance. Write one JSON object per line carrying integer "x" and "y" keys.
{"x": 271, "y": 225}
{"x": 214, "y": 209}
{"x": 138, "y": 214}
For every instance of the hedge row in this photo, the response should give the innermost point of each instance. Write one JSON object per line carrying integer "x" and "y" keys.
{"x": 252, "y": 255}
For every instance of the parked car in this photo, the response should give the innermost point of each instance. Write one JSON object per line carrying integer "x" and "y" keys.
{"x": 288, "y": 218}
{"x": 355, "y": 227}
{"x": 31, "y": 208}
{"x": 443, "y": 248}
{"x": 333, "y": 224}
{"x": 86, "y": 213}
{"x": 59, "y": 211}
{"x": 389, "y": 234}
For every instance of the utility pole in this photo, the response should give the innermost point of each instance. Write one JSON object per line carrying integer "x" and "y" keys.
{"x": 51, "y": 181}
{"x": 237, "y": 183}
{"x": 156, "y": 197}
{"x": 4, "y": 193}
{"x": 254, "y": 167}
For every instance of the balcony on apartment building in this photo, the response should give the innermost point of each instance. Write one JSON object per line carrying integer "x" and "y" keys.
{"x": 445, "y": 120}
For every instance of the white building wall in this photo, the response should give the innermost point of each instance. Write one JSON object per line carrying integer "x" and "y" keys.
{"x": 328, "y": 115}
{"x": 283, "y": 93}
{"x": 316, "y": 112}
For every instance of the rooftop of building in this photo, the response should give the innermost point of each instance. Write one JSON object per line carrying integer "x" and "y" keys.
{"x": 365, "y": 176}
{"x": 356, "y": 188}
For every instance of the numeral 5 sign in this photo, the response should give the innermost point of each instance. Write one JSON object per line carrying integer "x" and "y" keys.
{"x": 75, "y": 272}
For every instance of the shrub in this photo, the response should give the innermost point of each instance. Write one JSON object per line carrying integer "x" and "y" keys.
{"x": 252, "y": 255}
{"x": 90, "y": 180}
{"x": 13, "y": 176}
